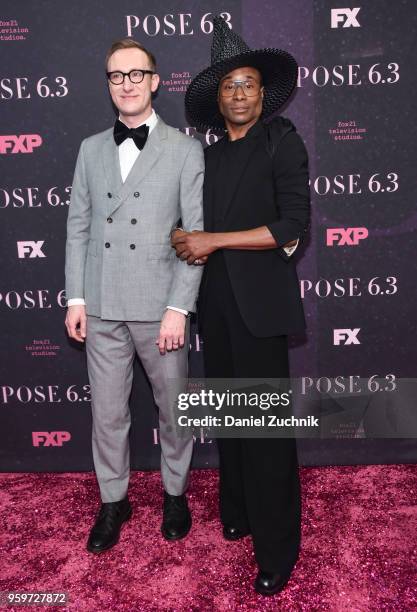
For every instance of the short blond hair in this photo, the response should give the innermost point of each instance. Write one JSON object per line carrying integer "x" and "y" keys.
{"x": 129, "y": 43}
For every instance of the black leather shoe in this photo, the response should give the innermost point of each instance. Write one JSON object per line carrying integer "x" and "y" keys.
{"x": 234, "y": 533}
{"x": 106, "y": 530}
{"x": 267, "y": 583}
{"x": 176, "y": 517}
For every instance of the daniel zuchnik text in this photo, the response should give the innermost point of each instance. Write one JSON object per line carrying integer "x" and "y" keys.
{"x": 265, "y": 420}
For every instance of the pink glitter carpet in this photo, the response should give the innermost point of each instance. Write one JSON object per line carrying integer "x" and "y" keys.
{"x": 359, "y": 548}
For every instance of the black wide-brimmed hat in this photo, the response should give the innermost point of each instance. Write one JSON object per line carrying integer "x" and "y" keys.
{"x": 228, "y": 52}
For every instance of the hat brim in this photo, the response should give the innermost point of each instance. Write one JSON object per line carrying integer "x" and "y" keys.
{"x": 279, "y": 77}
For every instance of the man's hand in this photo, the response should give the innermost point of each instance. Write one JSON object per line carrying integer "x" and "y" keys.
{"x": 76, "y": 323}
{"x": 172, "y": 331}
{"x": 194, "y": 245}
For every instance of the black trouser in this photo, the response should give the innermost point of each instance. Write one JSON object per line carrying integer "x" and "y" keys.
{"x": 259, "y": 480}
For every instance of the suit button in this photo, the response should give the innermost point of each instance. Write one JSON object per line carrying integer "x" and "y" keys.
{"x": 107, "y": 245}
{"x": 109, "y": 220}
{"x": 133, "y": 221}
{"x": 136, "y": 194}
{"x": 109, "y": 195}
{"x": 133, "y": 246}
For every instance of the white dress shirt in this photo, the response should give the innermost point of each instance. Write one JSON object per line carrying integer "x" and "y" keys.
{"x": 128, "y": 151}
{"x": 290, "y": 250}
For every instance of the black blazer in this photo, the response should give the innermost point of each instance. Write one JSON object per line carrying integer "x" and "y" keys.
{"x": 271, "y": 188}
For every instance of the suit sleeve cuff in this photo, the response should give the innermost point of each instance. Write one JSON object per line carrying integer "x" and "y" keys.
{"x": 176, "y": 227}
{"x": 283, "y": 231}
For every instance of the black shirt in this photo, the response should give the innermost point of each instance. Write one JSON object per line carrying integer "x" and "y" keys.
{"x": 233, "y": 154}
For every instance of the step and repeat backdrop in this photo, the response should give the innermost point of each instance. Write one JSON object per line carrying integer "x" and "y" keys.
{"x": 354, "y": 107}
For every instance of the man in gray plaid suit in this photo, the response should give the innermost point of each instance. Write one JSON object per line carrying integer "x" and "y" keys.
{"x": 127, "y": 291}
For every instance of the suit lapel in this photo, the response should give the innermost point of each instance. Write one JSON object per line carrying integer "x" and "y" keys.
{"x": 212, "y": 165}
{"x": 140, "y": 169}
{"x": 110, "y": 157}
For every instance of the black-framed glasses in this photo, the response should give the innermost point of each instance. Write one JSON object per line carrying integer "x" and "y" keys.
{"x": 249, "y": 88}
{"x": 117, "y": 77}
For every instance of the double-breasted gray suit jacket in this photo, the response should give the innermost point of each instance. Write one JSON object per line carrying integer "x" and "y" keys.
{"x": 118, "y": 252}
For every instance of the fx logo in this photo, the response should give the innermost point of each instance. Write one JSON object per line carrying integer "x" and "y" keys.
{"x": 30, "y": 248}
{"x": 25, "y": 143}
{"x": 346, "y": 336}
{"x": 349, "y": 236}
{"x": 50, "y": 438}
{"x": 347, "y": 16}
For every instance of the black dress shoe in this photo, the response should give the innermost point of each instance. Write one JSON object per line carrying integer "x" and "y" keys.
{"x": 267, "y": 583}
{"x": 176, "y": 517}
{"x": 106, "y": 530}
{"x": 234, "y": 533}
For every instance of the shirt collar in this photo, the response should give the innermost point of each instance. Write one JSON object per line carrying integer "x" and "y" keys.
{"x": 254, "y": 130}
{"x": 151, "y": 121}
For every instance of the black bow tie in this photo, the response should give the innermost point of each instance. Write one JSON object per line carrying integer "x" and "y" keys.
{"x": 139, "y": 135}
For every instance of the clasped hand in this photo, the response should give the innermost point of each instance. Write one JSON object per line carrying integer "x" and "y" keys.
{"x": 195, "y": 247}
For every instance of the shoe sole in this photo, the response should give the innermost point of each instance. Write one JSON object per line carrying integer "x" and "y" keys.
{"x": 97, "y": 551}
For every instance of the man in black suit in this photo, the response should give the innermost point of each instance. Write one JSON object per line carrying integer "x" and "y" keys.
{"x": 256, "y": 210}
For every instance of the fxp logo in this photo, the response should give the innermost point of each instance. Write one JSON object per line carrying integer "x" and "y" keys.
{"x": 345, "y": 16}
{"x": 345, "y": 236}
{"x": 23, "y": 143}
{"x": 50, "y": 438}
